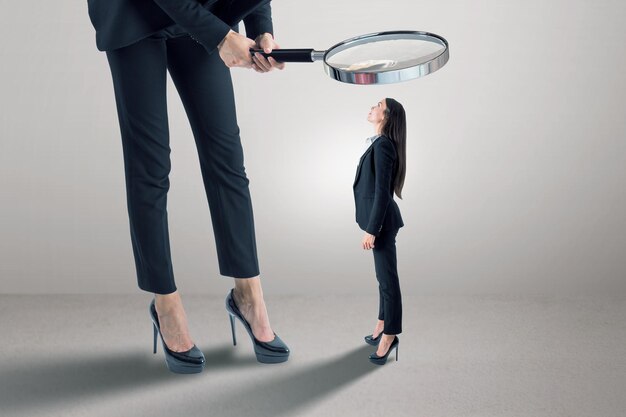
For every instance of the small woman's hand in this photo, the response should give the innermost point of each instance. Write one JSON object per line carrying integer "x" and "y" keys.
{"x": 368, "y": 241}
{"x": 259, "y": 62}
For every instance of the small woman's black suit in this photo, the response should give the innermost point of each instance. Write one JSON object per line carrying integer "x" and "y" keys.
{"x": 378, "y": 214}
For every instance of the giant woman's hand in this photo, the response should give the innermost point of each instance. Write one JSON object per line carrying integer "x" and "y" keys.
{"x": 266, "y": 42}
{"x": 235, "y": 50}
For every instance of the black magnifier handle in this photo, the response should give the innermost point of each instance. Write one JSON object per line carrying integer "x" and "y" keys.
{"x": 287, "y": 55}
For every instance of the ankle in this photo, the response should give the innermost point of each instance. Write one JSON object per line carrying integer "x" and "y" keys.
{"x": 167, "y": 303}
{"x": 388, "y": 337}
{"x": 249, "y": 292}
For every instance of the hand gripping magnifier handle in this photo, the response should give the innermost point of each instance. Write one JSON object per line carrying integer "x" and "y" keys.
{"x": 292, "y": 55}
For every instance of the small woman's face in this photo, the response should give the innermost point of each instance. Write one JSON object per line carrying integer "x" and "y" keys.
{"x": 377, "y": 112}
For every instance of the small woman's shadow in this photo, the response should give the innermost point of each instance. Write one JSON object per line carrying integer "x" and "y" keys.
{"x": 38, "y": 383}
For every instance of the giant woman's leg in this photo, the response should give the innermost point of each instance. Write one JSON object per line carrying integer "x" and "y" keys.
{"x": 139, "y": 81}
{"x": 205, "y": 87}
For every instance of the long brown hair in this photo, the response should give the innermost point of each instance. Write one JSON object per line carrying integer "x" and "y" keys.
{"x": 395, "y": 129}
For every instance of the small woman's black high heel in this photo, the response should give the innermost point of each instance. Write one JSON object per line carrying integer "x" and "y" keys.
{"x": 381, "y": 360}
{"x": 188, "y": 362}
{"x": 274, "y": 351}
{"x": 373, "y": 340}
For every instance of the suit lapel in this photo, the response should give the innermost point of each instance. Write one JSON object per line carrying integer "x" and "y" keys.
{"x": 358, "y": 170}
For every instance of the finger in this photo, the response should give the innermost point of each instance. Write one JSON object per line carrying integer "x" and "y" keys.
{"x": 267, "y": 45}
{"x": 255, "y": 65}
{"x": 266, "y": 64}
{"x": 276, "y": 64}
{"x": 273, "y": 45}
{"x": 262, "y": 62}
{"x": 261, "y": 68}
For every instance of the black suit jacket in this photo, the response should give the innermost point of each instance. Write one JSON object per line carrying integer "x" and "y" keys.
{"x": 119, "y": 23}
{"x": 376, "y": 209}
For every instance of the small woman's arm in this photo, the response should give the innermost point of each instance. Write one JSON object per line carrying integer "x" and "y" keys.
{"x": 384, "y": 157}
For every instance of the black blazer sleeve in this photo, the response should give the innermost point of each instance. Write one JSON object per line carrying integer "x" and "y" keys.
{"x": 201, "y": 24}
{"x": 259, "y": 22}
{"x": 384, "y": 159}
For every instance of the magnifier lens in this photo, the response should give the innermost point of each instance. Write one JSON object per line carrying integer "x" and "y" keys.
{"x": 379, "y": 55}
{"x": 376, "y": 58}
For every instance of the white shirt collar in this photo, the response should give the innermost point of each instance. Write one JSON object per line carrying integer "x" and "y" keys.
{"x": 371, "y": 140}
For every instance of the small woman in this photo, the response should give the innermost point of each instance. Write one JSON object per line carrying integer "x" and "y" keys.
{"x": 380, "y": 173}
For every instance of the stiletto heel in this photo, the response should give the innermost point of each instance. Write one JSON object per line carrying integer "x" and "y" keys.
{"x": 381, "y": 360}
{"x": 232, "y": 328}
{"x": 154, "y": 344}
{"x": 188, "y": 362}
{"x": 274, "y": 351}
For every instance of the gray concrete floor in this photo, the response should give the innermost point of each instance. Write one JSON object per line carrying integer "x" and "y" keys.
{"x": 91, "y": 355}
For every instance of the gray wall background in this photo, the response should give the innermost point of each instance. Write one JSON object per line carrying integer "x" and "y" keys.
{"x": 516, "y": 155}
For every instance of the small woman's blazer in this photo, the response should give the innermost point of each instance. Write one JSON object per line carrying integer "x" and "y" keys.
{"x": 376, "y": 209}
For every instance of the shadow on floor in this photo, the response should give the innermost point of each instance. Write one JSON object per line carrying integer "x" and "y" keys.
{"x": 284, "y": 394}
{"x": 49, "y": 382}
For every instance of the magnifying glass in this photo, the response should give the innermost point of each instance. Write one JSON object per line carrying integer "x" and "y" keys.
{"x": 375, "y": 58}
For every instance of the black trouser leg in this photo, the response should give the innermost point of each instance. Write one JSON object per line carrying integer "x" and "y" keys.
{"x": 390, "y": 297}
{"x": 139, "y": 80}
{"x": 204, "y": 84}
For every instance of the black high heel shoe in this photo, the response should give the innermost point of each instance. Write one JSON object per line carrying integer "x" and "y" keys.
{"x": 381, "y": 360}
{"x": 274, "y": 351}
{"x": 188, "y": 362}
{"x": 373, "y": 340}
